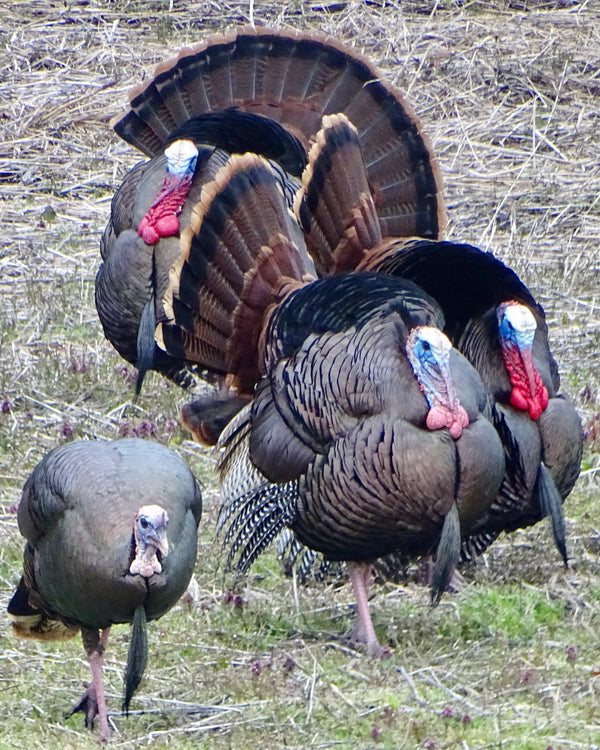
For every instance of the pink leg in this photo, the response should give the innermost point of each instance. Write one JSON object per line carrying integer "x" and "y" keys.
{"x": 93, "y": 702}
{"x": 360, "y": 577}
{"x": 96, "y": 660}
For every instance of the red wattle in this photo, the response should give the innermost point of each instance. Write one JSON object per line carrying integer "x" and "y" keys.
{"x": 147, "y": 231}
{"x": 437, "y": 418}
{"x": 161, "y": 219}
{"x": 167, "y": 226}
{"x": 519, "y": 400}
{"x": 529, "y": 392}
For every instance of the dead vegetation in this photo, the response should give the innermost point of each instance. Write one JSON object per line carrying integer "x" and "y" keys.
{"x": 509, "y": 93}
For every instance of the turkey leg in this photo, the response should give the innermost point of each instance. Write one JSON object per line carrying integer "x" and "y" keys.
{"x": 93, "y": 701}
{"x": 364, "y": 632}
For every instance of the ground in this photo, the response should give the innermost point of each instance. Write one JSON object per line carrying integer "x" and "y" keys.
{"x": 509, "y": 95}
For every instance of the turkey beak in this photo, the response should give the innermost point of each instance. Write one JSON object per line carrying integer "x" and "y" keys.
{"x": 160, "y": 541}
{"x": 151, "y": 528}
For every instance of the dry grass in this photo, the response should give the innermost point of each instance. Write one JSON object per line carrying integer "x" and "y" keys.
{"x": 509, "y": 94}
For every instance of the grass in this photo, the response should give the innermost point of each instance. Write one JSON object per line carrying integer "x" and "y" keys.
{"x": 509, "y": 96}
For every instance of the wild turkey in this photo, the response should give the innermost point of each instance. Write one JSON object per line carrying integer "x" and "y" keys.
{"x": 321, "y": 115}
{"x": 111, "y": 531}
{"x": 356, "y": 390}
{"x": 493, "y": 319}
{"x": 261, "y": 91}
{"x": 490, "y": 316}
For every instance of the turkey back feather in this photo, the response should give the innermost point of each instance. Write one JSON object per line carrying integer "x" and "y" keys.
{"x": 466, "y": 282}
{"x": 337, "y": 303}
{"x": 242, "y": 132}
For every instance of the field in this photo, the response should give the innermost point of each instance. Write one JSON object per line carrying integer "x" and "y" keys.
{"x": 509, "y": 94}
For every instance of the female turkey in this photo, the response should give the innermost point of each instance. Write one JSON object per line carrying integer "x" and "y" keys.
{"x": 111, "y": 531}
{"x": 255, "y": 90}
{"x": 365, "y": 433}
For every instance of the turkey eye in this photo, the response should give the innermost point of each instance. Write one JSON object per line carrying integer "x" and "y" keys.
{"x": 143, "y": 523}
{"x": 425, "y": 345}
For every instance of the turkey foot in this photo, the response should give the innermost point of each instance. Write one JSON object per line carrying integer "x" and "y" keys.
{"x": 88, "y": 705}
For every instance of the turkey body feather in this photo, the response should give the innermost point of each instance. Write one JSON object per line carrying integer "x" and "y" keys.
{"x": 85, "y": 512}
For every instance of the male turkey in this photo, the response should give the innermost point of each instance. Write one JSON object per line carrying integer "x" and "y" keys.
{"x": 111, "y": 531}
{"x": 365, "y": 432}
{"x": 490, "y": 316}
{"x": 260, "y": 91}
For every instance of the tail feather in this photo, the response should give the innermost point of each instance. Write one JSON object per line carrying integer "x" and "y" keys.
{"x": 207, "y": 416}
{"x": 137, "y": 656}
{"x": 295, "y": 79}
{"x": 242, "y": 254}
{"x": 335, "y": 205}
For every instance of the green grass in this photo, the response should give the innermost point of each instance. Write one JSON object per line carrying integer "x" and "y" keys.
{"x": 488, "y": 667}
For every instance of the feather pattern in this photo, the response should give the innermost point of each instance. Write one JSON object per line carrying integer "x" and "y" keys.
{"x": 255, "y": 91}
{"x": 295, "y": 79}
